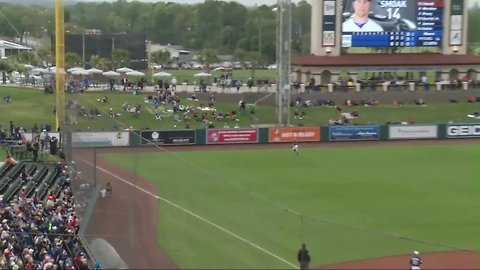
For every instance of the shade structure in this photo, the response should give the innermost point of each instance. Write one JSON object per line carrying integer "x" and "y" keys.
{"x": 94, "y": 71}
{"x": 219, "y": 69}
{"x": 111, "y": 73}
{"x": 124, "y": 70}
{"x": 202, "y": 74}
{"x": 135, "y": 73}
{"x": 28, "y": 66}
{"x": 162, "y": 74}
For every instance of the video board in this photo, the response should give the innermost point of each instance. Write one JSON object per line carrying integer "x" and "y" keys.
{"x": 392, "y": 23}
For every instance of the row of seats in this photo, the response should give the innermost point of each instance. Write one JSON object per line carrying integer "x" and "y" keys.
{"x": 39, "y": 223}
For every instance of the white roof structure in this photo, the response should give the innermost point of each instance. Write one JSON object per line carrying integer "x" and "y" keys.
{"x": 6, "y": 46}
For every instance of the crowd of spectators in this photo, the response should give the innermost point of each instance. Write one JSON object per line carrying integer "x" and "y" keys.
{"x": 38, "y": 233}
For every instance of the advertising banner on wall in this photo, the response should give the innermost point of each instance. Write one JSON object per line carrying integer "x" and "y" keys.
{"x": 354, "y": 133}
{"x": 456, "y": 22}
{"x": 291, "y": 134}
{"x": 167, "y": 137}
{"x": 224, "y": 136}
{"x": 100, "y": 139}
{"x": 463, "y": 130}
{"x": 413, "y": 132}
{"x": 329, "y": 20}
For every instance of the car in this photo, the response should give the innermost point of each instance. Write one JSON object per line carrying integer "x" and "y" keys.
{"x": 272, "y": 66}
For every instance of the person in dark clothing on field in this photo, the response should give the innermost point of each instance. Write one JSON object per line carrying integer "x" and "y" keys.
{"x": 303, "y": 257}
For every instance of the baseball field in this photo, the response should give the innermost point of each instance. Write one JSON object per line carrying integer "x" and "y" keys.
{"x": 253, "y": 206}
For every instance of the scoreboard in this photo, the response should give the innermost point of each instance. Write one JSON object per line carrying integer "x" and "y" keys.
{"x": 393, "y": 23}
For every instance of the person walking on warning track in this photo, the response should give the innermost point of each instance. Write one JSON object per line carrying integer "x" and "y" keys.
{"x": 415, "y": 261}
{"x": 303, "y": 257}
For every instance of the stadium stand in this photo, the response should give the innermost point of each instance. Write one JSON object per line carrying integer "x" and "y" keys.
{"x": 39, "y": 224}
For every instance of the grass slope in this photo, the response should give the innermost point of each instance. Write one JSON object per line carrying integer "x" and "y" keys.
{"x": 33, "y": 106}
{"x": 345, "y": 203}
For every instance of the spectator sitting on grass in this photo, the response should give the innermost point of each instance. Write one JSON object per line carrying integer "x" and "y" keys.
{"x": 420, "y": 102}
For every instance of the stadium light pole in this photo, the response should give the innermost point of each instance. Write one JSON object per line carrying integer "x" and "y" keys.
{"x": 284, "y": 38}
{"x": 60, "y": 65}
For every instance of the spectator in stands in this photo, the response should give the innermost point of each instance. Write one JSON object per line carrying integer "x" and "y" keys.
{"x": 35, "y": 148}
{"x": 10, "y": 160}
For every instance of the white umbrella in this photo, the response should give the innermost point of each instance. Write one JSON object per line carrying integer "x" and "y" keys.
{"x": 28, "y": 66}
{"x": 111, "y": 73}
{"x": 95, "y": 71}
{"x": 70, "y": 70}
{"x": 80, "y": 72}
{"x": 218, "y": 69}
{"x": 53, "y": 71}
{"x": 39, "y": 70}
{"x": 135, "y": 73}
{"x": 124, "y": 70}
{"x": 162, "y": 74}
{"x": 202, "y": 74}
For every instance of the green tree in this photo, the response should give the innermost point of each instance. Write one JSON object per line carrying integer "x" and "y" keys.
{"x": 120, "y": 58}
{"x": 44, "y": 53}
{"x": 5, "y": 66}
{"x": 99, "y": 62}
{"x": 20, "y": 68}
{"x": 28, "y": 57}
{"x": 72, "y": 60}
{"x": 207, "y": 57}
{"x": 473, "y": 23}
{"x": 161, "y": 57}
{"x": 241, "y": 56}
{"x": 256, "y": 60}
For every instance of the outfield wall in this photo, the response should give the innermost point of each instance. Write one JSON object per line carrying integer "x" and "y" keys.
{"x": 276, "y": 135}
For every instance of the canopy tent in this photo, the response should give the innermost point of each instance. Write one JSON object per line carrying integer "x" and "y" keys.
{"x": 162, "y": 74}
{"x": 111, "y": 73}
{"x": 94, "y": 71}
{"x": 135, "y": 73}
{"x": 81, "y": 72}
{"x": 202, "y": 74}
{"x": 124, "y": 70}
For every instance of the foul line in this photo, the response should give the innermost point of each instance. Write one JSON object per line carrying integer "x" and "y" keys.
{"x": 193, "y": 214}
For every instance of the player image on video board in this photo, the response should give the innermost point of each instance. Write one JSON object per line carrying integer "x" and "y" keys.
{"x": 359, "y": 20}
{"x": 379, "y": 15}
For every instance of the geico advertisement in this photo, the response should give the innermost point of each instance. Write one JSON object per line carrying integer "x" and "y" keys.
{"x": 463, "y": 130}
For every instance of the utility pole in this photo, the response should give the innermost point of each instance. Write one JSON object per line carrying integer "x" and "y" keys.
{"x": 83, "y": 48}
{"x": 284, "y": 38}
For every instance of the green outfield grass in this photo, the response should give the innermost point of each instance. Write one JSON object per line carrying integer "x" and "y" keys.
{"x": 345, "y": 203}
{"x": 33, "y": 106}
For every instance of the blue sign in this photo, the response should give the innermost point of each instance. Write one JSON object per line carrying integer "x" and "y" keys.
{"x": 354, "y": 133}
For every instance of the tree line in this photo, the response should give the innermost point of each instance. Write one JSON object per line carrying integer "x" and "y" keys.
{"x": 225, "y": 27}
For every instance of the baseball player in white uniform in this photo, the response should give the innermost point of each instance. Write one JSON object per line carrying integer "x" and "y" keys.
{"x": 360, "y": 22}
{"x": 295, "y": 148}
{"x": 415, "y": 261}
